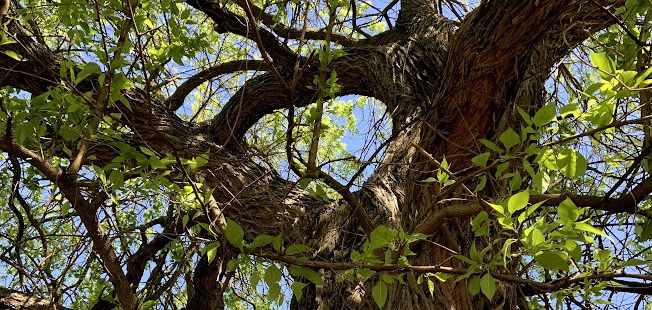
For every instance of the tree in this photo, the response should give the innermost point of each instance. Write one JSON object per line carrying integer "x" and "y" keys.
{"x": 188, "y": 154}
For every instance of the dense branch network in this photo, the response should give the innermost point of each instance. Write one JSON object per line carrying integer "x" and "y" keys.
{"x": 415, "y": 68}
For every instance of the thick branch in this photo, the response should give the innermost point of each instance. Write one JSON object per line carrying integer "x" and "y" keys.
{"x": 294, "y": 33}
{"x": 485, "y": 71}
{"x": 101, "y": 243}
{"x": 229, "y": 22}
{"x": 175, "y": 101}
{"x": 16, "y": 300}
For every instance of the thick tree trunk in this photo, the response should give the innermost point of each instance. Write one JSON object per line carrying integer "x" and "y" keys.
{"x": 493, "y": 66}
{"x": 444, "y": 87}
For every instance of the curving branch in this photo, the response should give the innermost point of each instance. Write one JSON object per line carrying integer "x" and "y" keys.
{"x": 627, "y": 203}
{"x": 175, "y": 101}
{"x": 531, "y": 287}
{"x": 486, "y": 71}
{"x": 226, "y": 21}
{"x": 295, "y": 33}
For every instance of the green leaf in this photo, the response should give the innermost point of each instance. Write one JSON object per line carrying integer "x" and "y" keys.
{"x": 150, "y": 304}
{"x": 211, "y": 250}
{"x": 509, "y": 138}
{"x": 474, "y": 285}
{"x": 261, "y": 241}
{"x": 278, "y": 243}
{"x": 89, "y": 69}
{"x": 481, "y": 184}
{"x": 272, "y": 274}
{"x": 443, "y": 276}
{"x": 297, "y": 248}
{"x": 545, "y": 115}
{"x": 646, "y": 231}
{"x": 272, "y": 278}
{"x": 635, "y": 262}
{"x": 498, "y": 208}
{"x": 588, "y": 228}
{"x": 197, "y": 162}
{"x": 524, "y": 115}
{"x": 536, "y": 237}
{"x": 431, "y": 287}
{"x": 551, "y": 260}
{"x": 382, "y": 236}
{"x": 481, "y": 160}
{"x": 185, "y": 220}
{"x": 571, "y": 163}
{"x": 429, "y": 180}
{"x": 480, "y": 224}
{"x": 13, "y": 55}
{"x": 65, "y": 207}
{"x": 297, "y": 289}
{"x": 117, "y": 179}
{"x": 234, "y": 233}
{"x": 488, "y": 285}
{"x": 156, "y": 163}
{"x": 312, "y": 275}
{"x": 567, "y": 211}
{"x": 506, "y": 250}
{"x": 518, "y": 201}
{"x": 491, "y": 145}
{"x": 604, "y": 63}
{"x": 379, "y": 293}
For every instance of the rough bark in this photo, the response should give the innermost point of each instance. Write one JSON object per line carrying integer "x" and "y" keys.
{"x": 444, "y": 87}
{"x": 16, "y": 300}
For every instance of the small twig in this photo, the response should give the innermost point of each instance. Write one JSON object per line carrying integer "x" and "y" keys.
{"x": 439, "y": 166}
{"x": 621, "y": 24}
{"x": 261, "y": 46}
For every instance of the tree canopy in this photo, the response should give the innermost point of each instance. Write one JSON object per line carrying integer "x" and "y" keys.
{"x": 305, "y": 154}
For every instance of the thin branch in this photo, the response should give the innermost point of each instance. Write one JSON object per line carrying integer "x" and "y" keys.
{"x": 294, "y": 33}
{"x": 599, "y": 129}
{"x": 229, "y": 22}
{"x": 622, "y": 205}
{"x": 261, "y": 46}
{"x": 539, "y": 287}
{"x": 101, "y": 243}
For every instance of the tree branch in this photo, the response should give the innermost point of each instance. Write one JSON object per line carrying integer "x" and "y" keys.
{"x": 627, "y": 203}
{"x": 229, "y": 22}
{"x": 175, "y": 101}
{"x": 16, "y": 300}
{"x": 294, "y": 33}
{"x": 538, "y": 287}
{"x": 101, "y": 243}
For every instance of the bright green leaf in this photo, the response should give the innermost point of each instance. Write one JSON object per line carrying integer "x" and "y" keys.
{"x": 518, "y": 201}
{"x": 545, "y": 115}
{"x": 551, "y": 260}
{"x": 509, "y": 138}
{"x": 481, "y": 160}
{"x": 379, "y": 293}
{"x": 567, "y": 211}
{"x": 488, "y": 285}
{"x": 234, "y": 233}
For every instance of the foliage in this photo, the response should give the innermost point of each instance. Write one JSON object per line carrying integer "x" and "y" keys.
{"x": 553, "y": 201}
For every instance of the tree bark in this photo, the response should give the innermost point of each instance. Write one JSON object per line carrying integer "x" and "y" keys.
{"x": 445, "y": 88}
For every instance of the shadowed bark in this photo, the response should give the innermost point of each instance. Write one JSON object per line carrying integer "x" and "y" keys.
{"x": 445, "y": 87}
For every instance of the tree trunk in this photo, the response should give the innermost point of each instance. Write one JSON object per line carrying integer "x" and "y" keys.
{"x": 496, "y": 61}
{"x": 445, "y": 88}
